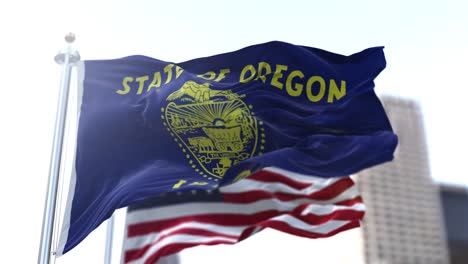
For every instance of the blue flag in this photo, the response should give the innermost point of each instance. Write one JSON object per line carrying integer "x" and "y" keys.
{"x": 148, "y": 126}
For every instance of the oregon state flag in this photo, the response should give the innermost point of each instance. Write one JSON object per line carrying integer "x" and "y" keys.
{"x": 148, "y": 126}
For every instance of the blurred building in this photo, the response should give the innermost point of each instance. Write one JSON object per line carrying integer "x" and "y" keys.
{"x": 455, "y": 208}
{"x": 403, "y": 223}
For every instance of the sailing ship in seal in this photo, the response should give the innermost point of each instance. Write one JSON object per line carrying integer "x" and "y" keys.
{"x": 214, "y": 128}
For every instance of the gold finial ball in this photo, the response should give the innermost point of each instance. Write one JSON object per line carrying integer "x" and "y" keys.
{"x": 70, "y": 37}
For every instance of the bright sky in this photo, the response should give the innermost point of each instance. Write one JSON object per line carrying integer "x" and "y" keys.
{"x": 426, "y": 48}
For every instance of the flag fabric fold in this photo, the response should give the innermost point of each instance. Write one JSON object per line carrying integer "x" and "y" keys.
{"x": 149, "y": 127}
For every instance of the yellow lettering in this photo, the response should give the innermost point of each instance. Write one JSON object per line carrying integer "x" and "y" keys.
{"x": 177, "y": 185}
{"x": 297, "y": 87}
{"x": 333, "y": 91}
{"x": 168, "y": 70}
{"x": 310, "y": 83}
{"x": 127, "y": 88}
{"x": 263, "y": 66}
{"x": 222, "y": 74}
{"x": 278, "y": 75}
{"x": 141, "y": 80}
{"x": 178, "y": 71}
{"x": 198, "y": 183}
{"x": 207, "y": 75}
{"x": 156, "y": 82}
{"x": 250, "y": 68}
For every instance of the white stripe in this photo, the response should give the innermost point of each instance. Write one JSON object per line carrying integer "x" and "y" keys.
{"x": 350, "y": 193}
{"x": 71, "y": 190}
{"x": 324, "y": 228}
{"x": 297, "y": 176}
{"x": 193, "y": 209}
{"x": 328, "y": 209}
{"x": 178, "y": 239}
{"x": 143, "y": 240}
{"x": 247, "y": 185}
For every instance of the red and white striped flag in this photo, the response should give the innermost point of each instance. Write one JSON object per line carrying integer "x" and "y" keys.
{"x": 293, "y": 203}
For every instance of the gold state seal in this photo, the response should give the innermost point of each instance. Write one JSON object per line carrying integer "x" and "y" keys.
{"x": 215, "y": 129}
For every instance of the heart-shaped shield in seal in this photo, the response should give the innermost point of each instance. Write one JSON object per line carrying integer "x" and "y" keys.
{"x": 215, "y": 129}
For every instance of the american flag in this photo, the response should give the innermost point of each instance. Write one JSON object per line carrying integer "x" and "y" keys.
{"x": 293, "y": 203}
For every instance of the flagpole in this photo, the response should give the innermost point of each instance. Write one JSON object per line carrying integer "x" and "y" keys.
{"x": 67, "y": 58}
{"x": 109, "y": 239}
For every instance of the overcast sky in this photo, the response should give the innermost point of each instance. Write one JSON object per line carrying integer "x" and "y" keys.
{"x": 426, "y": 46}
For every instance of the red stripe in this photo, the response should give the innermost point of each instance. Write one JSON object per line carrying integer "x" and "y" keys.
{"x": 347, "y": 203}
{"x": 284, "y": 227}
{"x": 273, "y": 177}
{"x": 351, "y": 202}
{"x": 333, "y": 190}
{"x": 138, "y": 253}
{"x": 218, "y": 219}
{"x": 237, "y": 220}
{"x": 134, "y": 254}
{"x": 248, "y": 232}
{"x": 343, "y": 215}
{"x": 326, "y": 193}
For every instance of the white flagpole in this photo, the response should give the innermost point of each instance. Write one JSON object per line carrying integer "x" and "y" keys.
{"x": 67, "y": 58}
{"x": 109, "y": 240}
